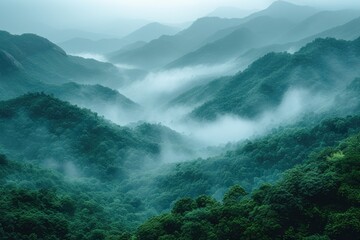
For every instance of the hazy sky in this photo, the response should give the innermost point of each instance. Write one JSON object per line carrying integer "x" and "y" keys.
{"x": 160, "y": 10}
{"x": 94, "y": 13}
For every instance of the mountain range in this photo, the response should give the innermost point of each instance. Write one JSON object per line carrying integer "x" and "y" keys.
{"x": 231, "y": 128}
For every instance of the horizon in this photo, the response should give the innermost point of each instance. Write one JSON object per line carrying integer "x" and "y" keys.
{"x": 114, "y": 18}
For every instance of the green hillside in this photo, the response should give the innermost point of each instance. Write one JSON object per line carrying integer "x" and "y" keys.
{"x": 264, "y": 83}
{"x": 44, "y": 61}
{"x": 316, "y": 200}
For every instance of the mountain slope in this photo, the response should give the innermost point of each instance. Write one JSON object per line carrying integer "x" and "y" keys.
{"x": 165, "y": 49}
{"x": 229, "y": 43}
{"x": 229, "y": 12}
{"x": 286, "y": 10}
{"x": 263, "y": 85}
{"x": 44, "y": 61}
{"x": 146, "y": 33}
{"x": 347, "y": 31}
{"x": 316, "y": 200}
{"x": 150, "y": 32}
{"x": 318, "y": 23}
{"x": 55, "y": 133}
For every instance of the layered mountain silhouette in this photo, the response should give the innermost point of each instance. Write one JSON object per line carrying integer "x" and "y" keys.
{"x": 146, "y": 33}
{"x": 263, "y": 85}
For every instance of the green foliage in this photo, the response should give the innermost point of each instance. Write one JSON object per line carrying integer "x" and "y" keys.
{"x": 308, "y": 203}
{"x": 234, "y": 194}
{"x": 252, "y": 162}
{"x": 263, "y": 85}
{"x": 77, "y": 135}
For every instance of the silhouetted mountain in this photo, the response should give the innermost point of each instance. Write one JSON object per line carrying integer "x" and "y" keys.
{"x": 44, "y": 61}
{"x": 146, "y": 33}
{"x": 83, "y": 45}
{"x": 263, "y": 85}
{"x": 229, "y": 12}
{"x": 126, "y": 48}
{"x": 229, "y": 43}
{"x": 29, "y": 63}
{"x": 150, "y": 32}
{"x": 286, "y": 10}
{"x": 318, "y": 23}
{"x": 165, "y": 49}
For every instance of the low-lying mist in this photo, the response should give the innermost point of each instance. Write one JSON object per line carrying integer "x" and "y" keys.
{"x": 231, "y": 128}
{"x": 95, "y": 56}
{"x": 156, "y": 89}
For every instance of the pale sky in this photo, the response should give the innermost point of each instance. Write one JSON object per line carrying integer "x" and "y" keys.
{"x": 91, "y": 13}
{"x": 159, "y": 10}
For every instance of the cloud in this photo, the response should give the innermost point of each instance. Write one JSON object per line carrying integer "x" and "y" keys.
{"x": 231, "y": 128}
{"x": 158, "y": 87}
{"x": 97, "y": 57}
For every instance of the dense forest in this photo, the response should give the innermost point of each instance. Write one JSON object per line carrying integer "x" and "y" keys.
{"x": 81, "y": 188}
{"x": 318, "y": 199}
{"x": 221, "y": 128}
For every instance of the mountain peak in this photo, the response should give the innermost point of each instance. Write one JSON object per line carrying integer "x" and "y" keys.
{"x": 283, "y": 9}
{"x": 281, "y": 3}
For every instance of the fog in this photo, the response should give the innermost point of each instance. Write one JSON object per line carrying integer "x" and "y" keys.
{"x": 97, "y": 57}
{"x": 156, "y": 90}
{"x": 230, "y": 128}
{"x": 159, "y": 87}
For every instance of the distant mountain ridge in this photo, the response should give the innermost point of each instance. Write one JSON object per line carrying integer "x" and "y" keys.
{"x": 263, "y": 85}
{"x": 29, "y": 63}
{"x": 164, "y": 50}
{"x": 146, "y": 33}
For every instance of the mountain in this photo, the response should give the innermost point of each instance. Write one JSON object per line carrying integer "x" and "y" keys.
{"x": 347, "y": 31}
{"x": 172, "y": 47}
{"x": 318, "y": 23}
{"x": 29, "y": 63}
{"x": 228, "y": 44}
{"x": 44, "y": 61}
{"x": 53, "y": 133}
{"x": 229, "y": 12}
{"x": 97, "y": 98}
{"x": 188, "y": 40}
{"x": 150, "y": 32}
{"x": 286, "y": 10}
{"x": 264, "y": 83}
{"x": 315, "y": 200}
{"x": 126, "y": 48}
{"x": 83, "y": 45}
{"x": 200, "y": 94}
{"x": 146, "y": 33}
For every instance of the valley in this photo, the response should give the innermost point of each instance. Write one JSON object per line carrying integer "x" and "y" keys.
{"x": 241, "y": 127}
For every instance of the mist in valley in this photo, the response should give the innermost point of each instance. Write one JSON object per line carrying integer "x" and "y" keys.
{"x": 189, "y": 111}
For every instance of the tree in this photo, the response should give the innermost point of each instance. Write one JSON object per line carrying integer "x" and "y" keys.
{"x": 234, "y": 194}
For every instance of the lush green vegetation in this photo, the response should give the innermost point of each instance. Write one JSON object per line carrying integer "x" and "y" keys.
{"x": 316, "y": 200}
{"x": 66, "y": 154}
{"x": 41, "y": 204}
{"x": 264, "y": 84}
{"x": 44, "y": 129}
{"x": 251, "y": 164}
{"x": 44, "y": 61}
{"x": 68, "y": 173}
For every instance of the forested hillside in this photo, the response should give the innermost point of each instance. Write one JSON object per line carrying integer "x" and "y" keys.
{"x": 172, "y": 123}
{"x": 264, "y": 84}
{"x": 318, "y": 199}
